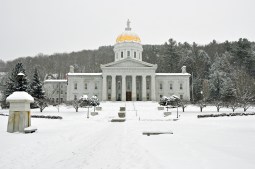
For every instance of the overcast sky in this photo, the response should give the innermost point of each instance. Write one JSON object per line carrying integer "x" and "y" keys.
{"x": 29, "y": 27}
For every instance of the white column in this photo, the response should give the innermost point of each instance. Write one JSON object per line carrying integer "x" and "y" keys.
{"x": 153, "y": 91}
{"x": 134, "y": 88}
{"x": 104, "y": 88}
{"x": 123, "y": 95}
{"x": 144, "y": 88}
{"x": 113, "y": 88}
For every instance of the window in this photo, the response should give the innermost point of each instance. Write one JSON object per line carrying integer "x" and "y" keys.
{"x": 118, "y": 85}
{"x": 109, "y": 85}
{"x": 171, "y": 86}
{"x": 75, "y": 86}
{"x": 95, "y": 85}
{"x": 121, "y": 54}
{"x": 57, "y": 100}
{"x": 85, "y": 86}
{"x": 160, "y": 96}
{"x": 181, "y": 86}
{"x": 181, "y": 96}
{"x": 160, "y": 86}
{"x": 61, "y": 86}
{"x": 61, "y": 100}
{"x": 148, "y": 96}
{"x": 128, "y": 53}
{"x": 134, "y": 54}
{"x": 109, "y": 96}
{"x": 128, "y": 86}
{"x": 61, "y": 92}
{"x": 147, "y": 84}
{"x": 75, "y": 97}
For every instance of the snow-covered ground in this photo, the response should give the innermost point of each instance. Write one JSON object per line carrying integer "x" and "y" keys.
{"x": 76, "y": 142}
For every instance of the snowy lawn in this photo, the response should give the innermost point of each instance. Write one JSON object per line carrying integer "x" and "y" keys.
{"x": 76, "y": 142}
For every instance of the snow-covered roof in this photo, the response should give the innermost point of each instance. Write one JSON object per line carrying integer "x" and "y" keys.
{"x": 19, "y": 96}
{"x": 84, "y": 74}
{"x": 172, "y": 74}
{"x": 56, "y": 80}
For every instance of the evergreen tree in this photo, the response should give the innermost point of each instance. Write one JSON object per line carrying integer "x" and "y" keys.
{"x": 171, "y": 55}
{"x": 220, "y": 80}
{"x": 36, "y": 87}
{"x": 16, "y": 82}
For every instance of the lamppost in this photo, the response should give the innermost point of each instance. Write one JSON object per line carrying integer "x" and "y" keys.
{"x": 202, "y": 95}
{"x": 20, "y": 77}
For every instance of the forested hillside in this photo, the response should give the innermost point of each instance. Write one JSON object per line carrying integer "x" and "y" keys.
{"x": 218, "y": 69}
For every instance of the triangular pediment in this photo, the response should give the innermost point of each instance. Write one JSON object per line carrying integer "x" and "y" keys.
{"x": 128, "y": 63}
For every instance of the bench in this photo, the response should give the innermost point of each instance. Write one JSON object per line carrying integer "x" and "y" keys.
{"x": 94, "y": 113}
{"x": 118, "y": 120}
{"x": 161, "y": 108}
{"x": 148, "y": 133}
{"x": 99, "y": 108}
{"x": 30, "y": 129}
{"x": 167, "y": 113}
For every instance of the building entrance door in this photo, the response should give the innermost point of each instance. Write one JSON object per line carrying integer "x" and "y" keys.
{"x": 128, "y": 96}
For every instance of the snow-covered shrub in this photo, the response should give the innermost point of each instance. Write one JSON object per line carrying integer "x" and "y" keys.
{"x": 94, "y": 101}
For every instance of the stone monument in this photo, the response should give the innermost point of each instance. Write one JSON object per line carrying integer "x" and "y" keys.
{"x": 19, "y": 112}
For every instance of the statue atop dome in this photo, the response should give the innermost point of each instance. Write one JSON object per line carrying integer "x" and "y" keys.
{"x": 128, "y": 26}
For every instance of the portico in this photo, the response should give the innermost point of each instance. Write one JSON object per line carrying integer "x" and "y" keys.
{"x": 134, "y": 82}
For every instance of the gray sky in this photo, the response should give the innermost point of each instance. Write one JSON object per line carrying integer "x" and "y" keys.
{"x": 29, "y": 27}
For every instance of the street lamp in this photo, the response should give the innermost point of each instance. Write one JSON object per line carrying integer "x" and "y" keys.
{"x": 202, "y": 95}
{"x": 20, "y": 77}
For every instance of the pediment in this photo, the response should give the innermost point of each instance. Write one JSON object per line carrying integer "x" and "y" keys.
{"x": 128, "y": 63}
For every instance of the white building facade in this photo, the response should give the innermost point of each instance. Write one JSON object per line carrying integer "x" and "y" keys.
{"x": 128, "y": 78}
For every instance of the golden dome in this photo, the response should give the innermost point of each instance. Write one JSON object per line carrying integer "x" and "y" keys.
{"x": 128, "y": 36}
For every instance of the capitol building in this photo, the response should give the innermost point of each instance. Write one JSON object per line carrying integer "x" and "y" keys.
{"x": 128, "y": 78}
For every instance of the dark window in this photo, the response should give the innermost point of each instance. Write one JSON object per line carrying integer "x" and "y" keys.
{"x": 134, "y": 54}
{"x": 109, "y": 96}
{"x": 181, "y": 96}
{"x": 181, "y": 86}
{"x": 85, "y": 86}
{"x": 95, "y": 85}
{"x": 160, "y": 86}
{"x": 121, "y": 54}
{"x": 171, "y": 86}
{"x": 75, "y": 86}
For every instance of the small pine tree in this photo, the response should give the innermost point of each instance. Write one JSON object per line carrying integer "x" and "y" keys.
{"x": 36, "y": 90}
{"x": 36, "y": 87}
{"x": 16, "y": 83}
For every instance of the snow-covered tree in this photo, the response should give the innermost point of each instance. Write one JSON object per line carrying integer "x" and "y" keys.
{"x": 220, "y": 80}
{"x": 94, "y": 101}
{"x": 36, "y": 91}
{"x": 36, "y": 87}
{"x": 16, "y": 82}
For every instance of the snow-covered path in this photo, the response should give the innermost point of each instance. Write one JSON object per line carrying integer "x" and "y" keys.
{"x": 80, "y": 143}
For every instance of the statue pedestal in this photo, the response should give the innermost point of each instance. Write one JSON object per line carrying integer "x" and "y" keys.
{"x": 19, "y": 112}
